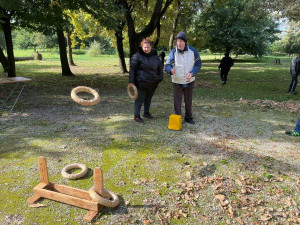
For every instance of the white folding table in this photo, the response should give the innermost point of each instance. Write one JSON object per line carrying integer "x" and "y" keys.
{"x": 16, "y": 81}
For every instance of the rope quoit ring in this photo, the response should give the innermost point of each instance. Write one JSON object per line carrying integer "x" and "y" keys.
{"x": 105, "y": 201}
{"x": 84, "y": 102}
{"x": 135, "y": 92}
{"x": 74, "y": 176}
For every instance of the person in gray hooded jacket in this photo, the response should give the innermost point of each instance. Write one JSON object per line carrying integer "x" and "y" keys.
{"x": 295, "y": 71}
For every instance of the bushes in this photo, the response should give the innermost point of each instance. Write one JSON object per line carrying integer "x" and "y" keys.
{"x": 94, "y": 49}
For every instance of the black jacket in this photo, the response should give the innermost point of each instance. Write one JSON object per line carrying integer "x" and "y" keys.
{"x": 146, "y": 70}
{"x": 226, "y": 63}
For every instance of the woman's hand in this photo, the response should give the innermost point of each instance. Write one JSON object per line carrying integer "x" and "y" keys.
{"x": 173, "y": 71}
{"x": 131, "y": 85}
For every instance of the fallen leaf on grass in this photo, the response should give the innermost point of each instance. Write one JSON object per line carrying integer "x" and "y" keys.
{"x": 146, "y": 221}
{"x": 220, "y": 197}
{"x": 204, "y": 217}
{"x": 37, "y": 205}
{"x": 266, "y": 217}
{"x": 127, "y": 202}
{"x": 230, "y": 210}
{"x": 152, "y": 180}
{"x": 239, "y": 220}
{"x": 188, "y": 175}
{"x": 143, "y": 180}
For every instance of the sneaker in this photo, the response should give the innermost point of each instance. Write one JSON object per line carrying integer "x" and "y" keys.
{"x": 223, "y": 82}
{"x": 148, "y": 115}
{"x": 189, "y": 120}
{"x": 288, "y": 133}
{"x": 138, "y": 119}
{"x": 292, "y": 133}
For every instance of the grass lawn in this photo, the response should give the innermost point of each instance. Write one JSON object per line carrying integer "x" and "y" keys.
{"x": 235, "y": 166}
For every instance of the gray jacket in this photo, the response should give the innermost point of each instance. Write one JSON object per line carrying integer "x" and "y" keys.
{"x": 295, "y": 66}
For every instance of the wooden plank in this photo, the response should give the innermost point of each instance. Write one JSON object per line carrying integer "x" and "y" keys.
{"x": 34, "y": 199}
{"x": 43, "y": 170}
{"x": 24, "y": 58}
{"x": 10, "y": 80}
{"x": 90, "y": 216}
{"x": 75, "y": 192}
{"x": 41, "y": 186}
{"x": 98, "y": 181}
{"x": 82, "y": 203}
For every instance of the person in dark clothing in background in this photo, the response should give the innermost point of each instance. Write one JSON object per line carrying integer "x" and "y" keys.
{"x": 162, "y": 56}
{"x": 295, "y": 71}
{"x": 146, "y": 71}
{"x": 225, "y": 65}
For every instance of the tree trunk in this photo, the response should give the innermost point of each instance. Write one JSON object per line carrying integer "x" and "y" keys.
{"x": 120, "y": 49}
{"x": 172, "y": 37}
{"x": 9, "y": 47}
{"x": 3, "y": 61}
{"x": 63, "y": 53}
{"x": 157, "y": 36}
{"x": 70, "y": 49}
{"x": 135, "y": 38}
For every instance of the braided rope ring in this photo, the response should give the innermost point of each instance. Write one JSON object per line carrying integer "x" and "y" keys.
{"x": 74, "y": 176}
{"x": 84, "y": 102}
{"x": 107, "y": 194}
{"x": 135, "y": 92}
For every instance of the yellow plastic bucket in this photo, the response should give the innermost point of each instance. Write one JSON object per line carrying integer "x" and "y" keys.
{"x": 175, "y": 122}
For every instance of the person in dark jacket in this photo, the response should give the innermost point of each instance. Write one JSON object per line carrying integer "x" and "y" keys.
{"x": 225, "y": 65}
{"x": 162, "y": 56}
{"x": 295, "y": 71}
{"x": 146, "y": 71}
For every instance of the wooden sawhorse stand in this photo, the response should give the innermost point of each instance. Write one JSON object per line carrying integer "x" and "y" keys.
{"x": 68, "y": 195}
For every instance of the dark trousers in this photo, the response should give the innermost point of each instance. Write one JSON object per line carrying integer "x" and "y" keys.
{"x": 223, "y": 75}
{"x": 293, "y": 84}
{"x": 178, "y": 92}
{"x": 144, "y": 96}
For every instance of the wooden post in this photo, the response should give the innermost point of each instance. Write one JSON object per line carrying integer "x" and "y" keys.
{"x": 43, "y": 170}
{"x": 98, "y": 181}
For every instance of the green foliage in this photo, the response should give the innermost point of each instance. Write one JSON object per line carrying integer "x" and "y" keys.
{"x": 24, "y": 39}
{"x": 291, "y": 41}
{"x": 94, "y": 49}
{"x": 238, "y": 26}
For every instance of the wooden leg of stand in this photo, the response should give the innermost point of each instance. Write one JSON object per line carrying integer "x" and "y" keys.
{"x": 90, "y": 216}
{"x": 43, "y": 170}
{"x": 34, "y": 199}
{"x": 98, "y": 181}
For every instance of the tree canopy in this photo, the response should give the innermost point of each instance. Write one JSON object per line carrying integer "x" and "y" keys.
{"x": 236, "y": 26}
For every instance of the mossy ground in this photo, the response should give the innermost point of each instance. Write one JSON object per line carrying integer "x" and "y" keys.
{"x": 236, "y": 149}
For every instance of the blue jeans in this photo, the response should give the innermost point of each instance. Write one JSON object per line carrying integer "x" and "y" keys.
{"x": 297, "y": 129}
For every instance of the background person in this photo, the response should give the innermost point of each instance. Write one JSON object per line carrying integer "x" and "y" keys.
{"x": 146, "y": 71}
{"x": 183, "y": 63}
{"x": 225, "y": 65}
{"x": 295, "y": 71}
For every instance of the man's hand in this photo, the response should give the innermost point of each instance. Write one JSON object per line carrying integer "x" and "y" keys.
{"x": 189, "y": 76}
{"x": 173, "y": 71}
{"x": 294, "y": 75}
{"x": 131, "y": 85}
